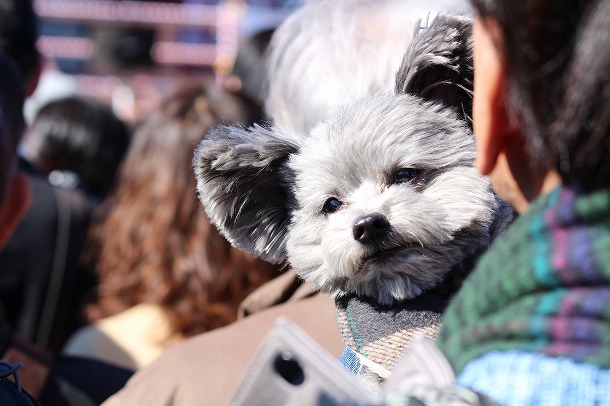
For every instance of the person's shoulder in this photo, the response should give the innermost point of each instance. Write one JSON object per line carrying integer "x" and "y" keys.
{"x": 210, "y": 366}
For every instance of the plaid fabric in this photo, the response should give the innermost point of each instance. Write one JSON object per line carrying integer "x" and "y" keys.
{"x": 543, "y": 287}
{"x": 379, "y": 335}
{"x": 515, "y": 378}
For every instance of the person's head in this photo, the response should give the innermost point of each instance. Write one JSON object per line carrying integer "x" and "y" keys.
{"x": 18, "y": 36}
{"x": 80, "y": 135}
{"x": 330, "y": 52}
{"x": 153, "y": 242}
{"x": 542, "y": 95}
{"x": 250, "y": 67}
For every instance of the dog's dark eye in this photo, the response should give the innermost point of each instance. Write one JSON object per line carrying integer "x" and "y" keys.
{"x": 331, "y": 205}
{"x": 405, "y": 175}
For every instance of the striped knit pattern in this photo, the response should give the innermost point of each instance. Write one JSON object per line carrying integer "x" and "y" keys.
{"x": 544, "y": 286}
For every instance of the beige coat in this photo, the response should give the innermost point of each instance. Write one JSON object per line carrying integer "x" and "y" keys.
{"x": 207, "y": 369}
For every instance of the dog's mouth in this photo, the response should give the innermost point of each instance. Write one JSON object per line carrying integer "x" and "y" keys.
{"x": 382, "y": 255}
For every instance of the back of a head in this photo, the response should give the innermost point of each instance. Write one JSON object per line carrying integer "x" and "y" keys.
{"x": 557, "y": 61}
{"x": 80, "y": 135}
{"x": 331, "y": 52}
{"x": 194, "y": 274}
{"x": 19, "y": 33}
{"x": 11, "y": 118}
{"x": 251, "y": 64}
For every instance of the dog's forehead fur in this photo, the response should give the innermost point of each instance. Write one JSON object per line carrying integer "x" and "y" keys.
{"x": 374, "y": 137}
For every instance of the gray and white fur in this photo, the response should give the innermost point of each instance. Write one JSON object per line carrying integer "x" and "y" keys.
{"x": 381, "y": 200}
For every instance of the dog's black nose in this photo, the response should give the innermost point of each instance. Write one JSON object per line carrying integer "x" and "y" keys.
{"x": 370, "y": 228}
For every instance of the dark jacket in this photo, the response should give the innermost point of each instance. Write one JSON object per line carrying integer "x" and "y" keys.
{"x": 41, "y": 284}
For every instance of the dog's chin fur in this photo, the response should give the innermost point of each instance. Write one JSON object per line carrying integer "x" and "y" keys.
{"x": 435, "y": 222}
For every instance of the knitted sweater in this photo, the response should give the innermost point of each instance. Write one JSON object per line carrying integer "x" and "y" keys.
{"x": 543, "y": 289}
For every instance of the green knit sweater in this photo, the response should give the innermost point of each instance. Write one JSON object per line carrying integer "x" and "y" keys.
{"x": 543, "y": 287}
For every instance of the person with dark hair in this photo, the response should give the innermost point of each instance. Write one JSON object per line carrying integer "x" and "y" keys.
{"x": 164, "y": 272}
{"x": 37, "y": 291}
{"x": 75, "y": 144}
{"x": 530, "y": 324}
{"x": 52, "y": 380}
{"x": 78, "y": 142}
{"x": 249, "y": 72}
{"x": 14, "y": 198}
{"x": 40, "y": 284}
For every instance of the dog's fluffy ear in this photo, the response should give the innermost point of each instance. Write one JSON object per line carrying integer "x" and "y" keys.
{"x": 244, "y": 186}
{"x": 438, "y": 64}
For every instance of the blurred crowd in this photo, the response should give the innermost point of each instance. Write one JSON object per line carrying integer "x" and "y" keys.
{"x": 115, "y": 286}
{"x": 112, "y": 257}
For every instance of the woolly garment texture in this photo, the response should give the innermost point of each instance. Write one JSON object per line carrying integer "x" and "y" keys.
{"x": 377, "y": 336}
{"x": 543, "y": 287}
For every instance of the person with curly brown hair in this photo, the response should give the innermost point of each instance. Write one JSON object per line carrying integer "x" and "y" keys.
{"x": 164, "y": 271}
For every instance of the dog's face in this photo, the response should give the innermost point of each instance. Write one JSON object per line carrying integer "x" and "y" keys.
{"x": 387, "y": 199}
{"x": 381, "y": 200}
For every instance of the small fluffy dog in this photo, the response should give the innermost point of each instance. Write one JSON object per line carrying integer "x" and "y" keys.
{"x": 382, "y": 200}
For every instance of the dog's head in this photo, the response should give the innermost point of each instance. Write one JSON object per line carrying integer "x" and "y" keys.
{"x": 381, "y": 200}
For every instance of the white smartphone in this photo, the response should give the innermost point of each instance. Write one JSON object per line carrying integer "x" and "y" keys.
{"x": 290, "y": 368}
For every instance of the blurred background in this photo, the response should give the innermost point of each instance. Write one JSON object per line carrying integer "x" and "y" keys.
{"x": 130, "y": 53}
